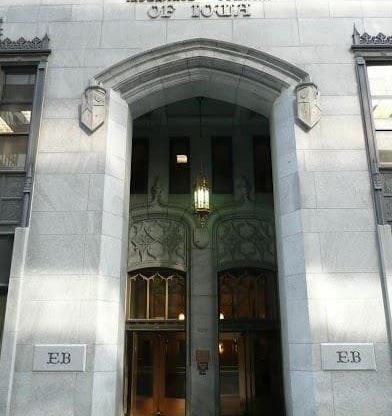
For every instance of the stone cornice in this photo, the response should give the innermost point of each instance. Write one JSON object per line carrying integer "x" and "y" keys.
{"x": 371, "y": 42}
{"x": 23, "y": 46}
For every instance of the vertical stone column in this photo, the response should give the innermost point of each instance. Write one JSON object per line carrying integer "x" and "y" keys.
{"x": 109, "y": 259}
{"x": 296, "y": 319}
{"x": 203, "y": 334}
{"x": 68, "y": 270}
{"x": 9, "y": 344}
{"x": 328, "y": 267}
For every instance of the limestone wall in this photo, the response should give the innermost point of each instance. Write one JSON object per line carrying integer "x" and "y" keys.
{"x": 70, "y": 288}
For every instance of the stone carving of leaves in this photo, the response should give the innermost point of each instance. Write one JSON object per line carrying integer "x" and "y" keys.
{"x": 380, "y": 39}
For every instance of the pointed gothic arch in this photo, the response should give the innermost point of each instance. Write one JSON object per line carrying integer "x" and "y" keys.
{"x": 201, "y": 67}
{"x": 248, "y": 78}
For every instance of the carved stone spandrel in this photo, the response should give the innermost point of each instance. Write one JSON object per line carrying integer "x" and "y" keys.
{"x": 92, "y": 112}
{"x": 308, "y": 104}
{"x": 157, "y": 240}
{"x": 245, "y": 239}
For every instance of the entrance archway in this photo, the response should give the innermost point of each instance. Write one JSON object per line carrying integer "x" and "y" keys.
{"x": 240, "y": 76}
{"x": 202, "y": 67}
{"x": 170, "y": 144}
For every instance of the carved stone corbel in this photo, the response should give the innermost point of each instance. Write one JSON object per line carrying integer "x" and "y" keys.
{"x": 308, "y": 104}
{"x": 201, "y": 237}
{"x": 92, "y": 112}
{"x": 244, "y": 190}
{"x": 156, "y": 193}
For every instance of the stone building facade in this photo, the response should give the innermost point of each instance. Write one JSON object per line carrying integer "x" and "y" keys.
{"x": 117, "y": 295}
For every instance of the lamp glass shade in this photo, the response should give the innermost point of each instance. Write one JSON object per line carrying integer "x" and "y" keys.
{"x": 201, "y": 194}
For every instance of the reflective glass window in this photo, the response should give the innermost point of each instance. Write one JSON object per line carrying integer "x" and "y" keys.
{"x": 262, "y": 164}
{"x": 380, "y": 82}
{"x": 139, "y": 166}
{"x": 179, "y": 166}
{"x": 222, "y": 165}
{"x": 17, "y": 95}
{"x": 243, "y": 294}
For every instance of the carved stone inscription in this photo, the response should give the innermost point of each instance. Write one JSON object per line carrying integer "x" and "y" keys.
{"x": 167, "y": 8}
{"x": 59, "y": 357}
{"x": 157, "y": 240}
{"x": 348, "y": 356}
{"x": 245, "y": 240}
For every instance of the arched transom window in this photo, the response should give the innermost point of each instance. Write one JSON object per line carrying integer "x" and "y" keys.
{"x": 243, "y": 293}
{"x": 157, "y": 294}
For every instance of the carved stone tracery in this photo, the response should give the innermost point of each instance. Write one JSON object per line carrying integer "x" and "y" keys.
{"x": 157, "y": 241}
{"x": 246, "y": 239}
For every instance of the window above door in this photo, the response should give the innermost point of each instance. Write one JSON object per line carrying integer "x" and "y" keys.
{"x": 156, "y": 295}
{"x": 247, "y": 294}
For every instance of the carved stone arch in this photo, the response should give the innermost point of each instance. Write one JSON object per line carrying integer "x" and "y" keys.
{"x": 209, "y": 68}
{"x": 241, "y": 76}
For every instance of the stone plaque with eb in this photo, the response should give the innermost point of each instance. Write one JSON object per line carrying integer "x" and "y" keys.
{"x": 348, "y": 356}
{"x": 59, "y": 357}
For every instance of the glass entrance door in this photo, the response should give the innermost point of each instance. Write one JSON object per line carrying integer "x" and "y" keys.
{"x": 157, "y": 374}
{"x": 249, "y": 344}
{"x": 250, "y": 382}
